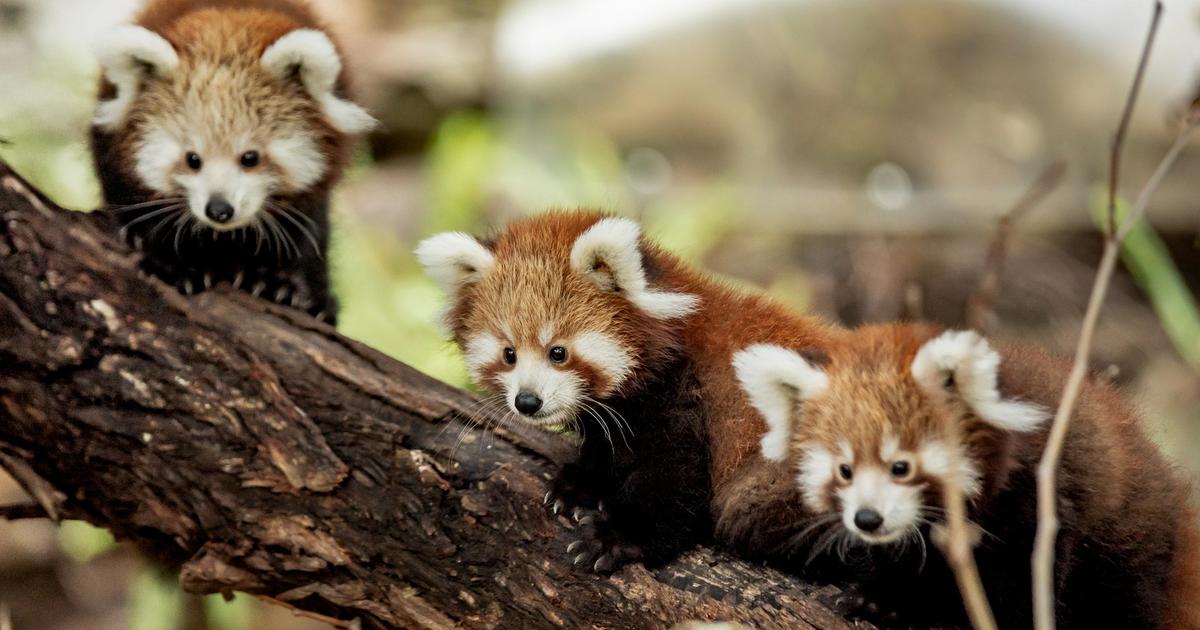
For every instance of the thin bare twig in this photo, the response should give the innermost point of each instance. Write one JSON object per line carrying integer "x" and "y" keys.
{"x": 1114, "y": 159}
{"x": 1047, "y": 474}
{"x": 958, "y": 546}
{"x": 980, "y": 312}
{"x": 22, "y": 511}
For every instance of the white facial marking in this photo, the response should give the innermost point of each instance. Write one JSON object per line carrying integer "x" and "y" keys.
{"x": 935, "y": 461}
{"x": 614, "y": 242}
{"x": 967, "y": 358}
{"x": 608, "y": 356}
{"x": 545, "y": 334}
{"x": 224, "y": 179}
{"x": 873, "y": 488}
{"x": 300, "y": 158}
{"x": 776, "y": 380}
{"x": 155, "y": 158}
{"x": 481, "y": 350}
{"x": 816, "y": 471}
{"x": 559, "y": 390}
{"x": 314, "y": 55}
{"x": 846, "y": 453}
{"x": 889, "y": 447}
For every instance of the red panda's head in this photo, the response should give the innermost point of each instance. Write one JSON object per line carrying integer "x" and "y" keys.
{"x": 226, "y": 125}
{"x": 559, "y": 312}
{"x": 865, "y": 432}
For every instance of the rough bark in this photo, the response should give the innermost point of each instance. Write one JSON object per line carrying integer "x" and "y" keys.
{"x": 259, "y": 451}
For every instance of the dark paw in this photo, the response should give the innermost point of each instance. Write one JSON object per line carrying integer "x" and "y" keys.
{"x": 599, "y": 549}
{"x": 567, "y": 493}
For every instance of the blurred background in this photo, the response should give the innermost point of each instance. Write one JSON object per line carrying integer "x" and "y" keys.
{"x": 849, "y": 156}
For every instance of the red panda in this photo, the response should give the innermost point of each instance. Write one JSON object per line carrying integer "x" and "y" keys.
{"x": 861, "y": 439}
{"x": 222, "y": 126}
{"x": 574, "y": 318}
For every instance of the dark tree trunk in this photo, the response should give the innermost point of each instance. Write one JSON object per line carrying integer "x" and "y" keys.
{"x": 259, "y": 451}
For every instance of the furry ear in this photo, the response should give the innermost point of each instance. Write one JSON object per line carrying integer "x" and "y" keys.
{"x": 608, "y": 254}
{"x": 128, "y": 56}
{"x": 776, "y": 380}
{"x": 963, "y": 364}
{"x": 309, "y": 55}
{"x": 454, "y": 260}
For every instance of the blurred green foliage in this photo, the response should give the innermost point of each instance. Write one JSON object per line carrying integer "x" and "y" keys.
{"x": 82, "y": 541}
{"x": 1147, "y": 258}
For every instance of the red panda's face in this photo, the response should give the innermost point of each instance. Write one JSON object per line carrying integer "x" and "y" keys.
{"x": 871, "y": 450}
{"x": 555, "y": 317}
{"x": 225, "y": 128}
{"x": 229, "y": 141}
{"x": 866, "y": 434}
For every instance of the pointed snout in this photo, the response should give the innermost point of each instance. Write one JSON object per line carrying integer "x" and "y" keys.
{"x": 527, "y": 402}
{"x": 219, "y": 210}
{"x": 868, "y": 520}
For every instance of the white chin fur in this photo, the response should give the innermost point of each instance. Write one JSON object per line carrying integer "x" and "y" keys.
{"x": 127, "y": 55}
{"x": 974, "y": 366}
{"x": 614, "y": 242}
{"x": 313, "y": 55}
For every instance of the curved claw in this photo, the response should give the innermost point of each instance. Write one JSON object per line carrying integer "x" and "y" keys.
{"x": 575, "y": 546}
{"x": 587, "y": 520}
{"x": 558, "y": 506}
{"x": 548, "y": 498}
{"x": 604, "y": 564}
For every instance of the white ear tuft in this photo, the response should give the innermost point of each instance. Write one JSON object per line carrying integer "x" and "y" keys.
{"x": 311, "y": 55}
{"x": 608, "y": 254}
{"x": 964, "y": 360}
{"x": 776, "y": 380}
{"x": 454, "y": 260}
{"x": 128, "y": 55}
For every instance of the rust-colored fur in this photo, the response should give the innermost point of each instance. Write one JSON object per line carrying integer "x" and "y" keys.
{"x": 1127, "y": 549}
{"x": 220, "y": 104}
{"x": 681, "y": 365}
{"x": 233, "y": 34}
{"x": 538, "y": 280}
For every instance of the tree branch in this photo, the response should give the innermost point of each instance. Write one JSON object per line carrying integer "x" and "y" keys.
{"x": 259, "y": 451}
{"x": 1047, "y": 473}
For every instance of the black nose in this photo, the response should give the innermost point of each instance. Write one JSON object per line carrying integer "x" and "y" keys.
{"x": 528, "y": 403}
{"x": 218, "y": 210}
{"x": 867, "y": 520}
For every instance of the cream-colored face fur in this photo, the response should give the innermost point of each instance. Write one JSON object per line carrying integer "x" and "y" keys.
{"x": 225, "y": 132}
{"x": 866, "y": 435}
{"x": 552, "y": 321}
{"x": 221, "y": 126}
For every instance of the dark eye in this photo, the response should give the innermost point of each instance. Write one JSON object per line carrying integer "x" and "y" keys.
{"x": 845, "y": 471}
{"x": 558, "y": 354}
{"x": 193, "y": 161}
{"x": 900, "y": 469}
{"x": 510, "y": 356}
{"x": 250, "y": 159}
